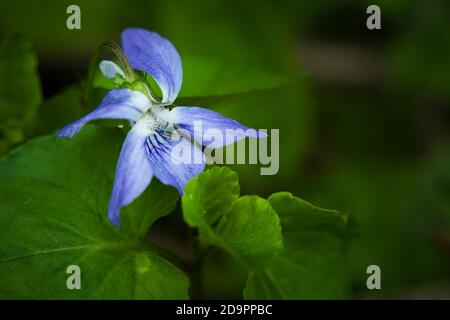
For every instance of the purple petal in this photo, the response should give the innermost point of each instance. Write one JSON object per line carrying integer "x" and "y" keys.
{"x": 133, "y": 172}
{"x": 117, "y": 104}
{"x": 149, "y": 52}
{"x": 204, "y": 125}
{"x": 174, "y": 161}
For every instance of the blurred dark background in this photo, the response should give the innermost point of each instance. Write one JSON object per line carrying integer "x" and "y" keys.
{"x": 365, "y": 132}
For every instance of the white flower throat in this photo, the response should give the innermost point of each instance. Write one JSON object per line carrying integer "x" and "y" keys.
{"x": 156, "y": 119}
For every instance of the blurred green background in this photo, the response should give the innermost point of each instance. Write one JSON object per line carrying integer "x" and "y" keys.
{"x": 366, "y": 130}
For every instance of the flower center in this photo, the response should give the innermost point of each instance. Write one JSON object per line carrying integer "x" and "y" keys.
{"x": 154, "y": 121}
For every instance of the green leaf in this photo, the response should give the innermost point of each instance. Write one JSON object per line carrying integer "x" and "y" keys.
{"x": 208, "y": 196}
{"x": 53, "y": 213}
{"x": 304, "y": 258}
{"x": 250, "y": 231}
{"x": 247, "y": 228}
{"x": 20, "y": 92}
{"x": 311, "y": 265}
{"x": 206, "y": 77}
{"x": 290, "y": 248}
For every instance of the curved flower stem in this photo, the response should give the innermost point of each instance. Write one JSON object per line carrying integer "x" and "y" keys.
{"x": 115, "y": 48}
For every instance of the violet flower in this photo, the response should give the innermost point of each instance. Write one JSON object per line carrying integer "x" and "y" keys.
{"x": 147, "y": 149}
